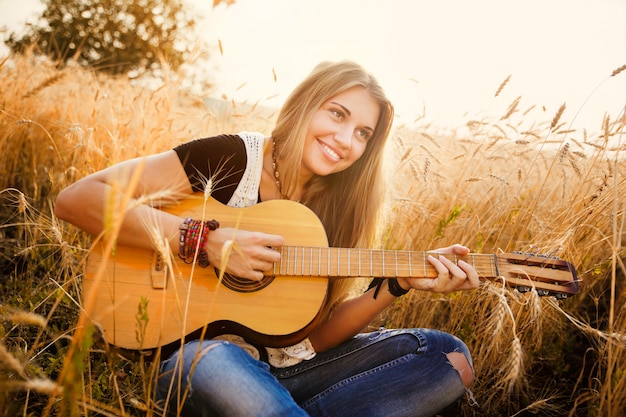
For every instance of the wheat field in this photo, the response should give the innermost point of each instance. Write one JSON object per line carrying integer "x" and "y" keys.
{"x": 518, "y": 179}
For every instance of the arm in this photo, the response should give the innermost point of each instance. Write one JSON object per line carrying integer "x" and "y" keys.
{"x": 86, "y": 204}
{"x": 352, "y": 316}
{"x": 349, "y": 318}
{"x": 89, "y": 202}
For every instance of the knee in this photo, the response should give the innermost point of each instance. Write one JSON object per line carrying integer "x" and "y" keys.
{"x": 459, "y": 362}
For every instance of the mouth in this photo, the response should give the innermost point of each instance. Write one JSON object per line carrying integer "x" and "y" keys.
{"x": 330, "y": 152}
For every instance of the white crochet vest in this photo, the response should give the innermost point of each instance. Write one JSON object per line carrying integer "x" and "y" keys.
{"x": 247, "y": 192}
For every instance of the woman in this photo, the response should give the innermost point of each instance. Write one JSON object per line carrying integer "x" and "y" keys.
{"x": 325, "y": 152}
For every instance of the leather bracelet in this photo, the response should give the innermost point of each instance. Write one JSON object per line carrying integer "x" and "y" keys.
{"x": 194, "y": 234}
{"x": 394, "y": 288}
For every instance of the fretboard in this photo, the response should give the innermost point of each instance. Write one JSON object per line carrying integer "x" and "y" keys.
{"x": 344, "y": 262}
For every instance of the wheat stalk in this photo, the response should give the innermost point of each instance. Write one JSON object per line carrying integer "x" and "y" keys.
{"x": 514, "y": 366}
{"x": 618, "y": 70}
{"x": 45, "y": 84}
{"x": 512, "y": 109}
{"x": 502, "y": 85}
{"x": 557, "y": 117}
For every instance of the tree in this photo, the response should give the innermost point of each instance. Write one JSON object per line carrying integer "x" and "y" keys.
{"x": 116, "y": 36}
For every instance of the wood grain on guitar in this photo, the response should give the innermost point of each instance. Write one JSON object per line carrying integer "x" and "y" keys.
{"x": 141, "y": 303}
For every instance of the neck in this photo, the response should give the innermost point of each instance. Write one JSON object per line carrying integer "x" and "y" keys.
{"x": 273, "y": 167}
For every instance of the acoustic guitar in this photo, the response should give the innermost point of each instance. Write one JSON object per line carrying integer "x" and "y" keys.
{"x": 145, "y": 299}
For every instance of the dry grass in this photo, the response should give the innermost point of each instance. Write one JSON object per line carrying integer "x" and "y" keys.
{"x": 512, "y": 182}
{"x": 523, "y": 185}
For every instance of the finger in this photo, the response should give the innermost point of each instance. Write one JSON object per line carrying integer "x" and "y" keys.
{"x": 454, "y": 270}
{"x": 455, "y": 249}
{"x": 268, "y": 240}
{"x": 472, "y": 275}
{"x": 269, "y": 255}
{"x": 256, "y": 275}
{"x": 454, "y": 279}
{"x": 460, "y": 249}
{"x": 435, "y": 261}
{"x": 245, "y": 270}
{"x": 261, "y": 265}
{"x": 251, "y": 274}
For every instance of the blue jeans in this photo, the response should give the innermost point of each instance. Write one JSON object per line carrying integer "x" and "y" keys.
{"x": 385, "y": 373}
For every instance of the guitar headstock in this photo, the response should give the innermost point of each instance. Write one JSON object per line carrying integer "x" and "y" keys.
{"x": 547, "y": 275}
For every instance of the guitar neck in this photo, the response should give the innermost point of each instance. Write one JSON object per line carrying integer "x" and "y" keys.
{"x": 352, "y": 262}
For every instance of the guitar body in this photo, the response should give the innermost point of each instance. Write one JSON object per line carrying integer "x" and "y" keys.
{"x": 143, "y": 303}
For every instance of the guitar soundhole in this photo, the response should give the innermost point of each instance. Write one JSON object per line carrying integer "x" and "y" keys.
{"x": 243, "y": 284}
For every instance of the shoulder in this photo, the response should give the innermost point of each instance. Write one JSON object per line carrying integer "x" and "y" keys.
{"x": 222, "y": 159}
{"x": 210, "y": 146}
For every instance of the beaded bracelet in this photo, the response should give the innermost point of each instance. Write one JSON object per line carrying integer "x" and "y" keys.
{"x": 195, "y": 234}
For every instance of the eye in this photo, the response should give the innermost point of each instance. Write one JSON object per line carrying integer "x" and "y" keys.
{"x": 337, "y": 113}
{"x": 364, "y": 134}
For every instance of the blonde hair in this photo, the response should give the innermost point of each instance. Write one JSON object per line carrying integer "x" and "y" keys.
{"x": 348, "y": 203}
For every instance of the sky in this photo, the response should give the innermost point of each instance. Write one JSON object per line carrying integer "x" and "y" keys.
{"x": 439, "y": 61}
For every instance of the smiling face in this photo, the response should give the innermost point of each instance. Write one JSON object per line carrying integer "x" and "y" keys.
{"x": 339, "y": 131}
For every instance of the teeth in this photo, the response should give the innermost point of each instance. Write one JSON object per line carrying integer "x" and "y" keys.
{"x": 330, "y": 152}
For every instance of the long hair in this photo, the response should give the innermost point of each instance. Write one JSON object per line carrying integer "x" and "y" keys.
{"x": 348, "y": 202}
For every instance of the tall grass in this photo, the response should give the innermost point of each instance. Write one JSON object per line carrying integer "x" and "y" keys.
{"x": 516, "y": 183}
{"x": 513, "y": 181}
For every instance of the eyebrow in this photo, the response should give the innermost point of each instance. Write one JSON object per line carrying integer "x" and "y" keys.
{"x": 343, "y": 107}
{"x": 350, "y": 113}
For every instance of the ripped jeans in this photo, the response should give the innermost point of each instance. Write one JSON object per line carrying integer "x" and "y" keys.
{"x": 401, "y": 372}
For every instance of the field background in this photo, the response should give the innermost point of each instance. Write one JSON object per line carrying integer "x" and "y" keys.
{"x": 518, "y": 179}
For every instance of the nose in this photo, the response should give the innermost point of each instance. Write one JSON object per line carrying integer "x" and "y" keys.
{"x": 343, "y": 136}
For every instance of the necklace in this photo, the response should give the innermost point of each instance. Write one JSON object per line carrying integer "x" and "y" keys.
{"x": 276, "y": 173}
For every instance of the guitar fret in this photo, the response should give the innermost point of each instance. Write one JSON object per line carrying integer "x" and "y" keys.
{"x": 284, "y": 264}
{"x": 396, "y": 252}
{"x": 319, "y": 262}
{"x": 410, "y": 265}
{"x": 285, "y": 269}
{"x": 282, "y": 260}
{"x": 425, "y": 275}
{"x": 371, "y": 264}
{"x": 382, "y": 257}
{"x": 328, "y": 261}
